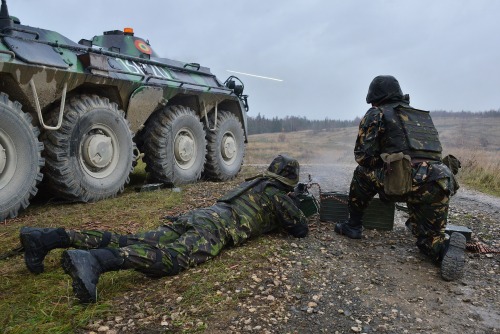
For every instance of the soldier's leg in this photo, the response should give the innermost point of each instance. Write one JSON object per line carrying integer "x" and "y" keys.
{"x": 190, "y": 240}
{"x": 203, "y": 237}
{"x": 100, "y": 239}
{"x": 428, "y": 209}
{"x": 364, "y": 185}
{"x": 428, "y": 222}
{"x": 37, "y": 242}
{"x": 85, "y": 267}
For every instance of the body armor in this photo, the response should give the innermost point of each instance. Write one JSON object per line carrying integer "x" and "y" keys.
{"x": 410, "y": 131}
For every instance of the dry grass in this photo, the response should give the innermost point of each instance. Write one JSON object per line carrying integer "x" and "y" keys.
{"x": 480, "y": 169}
{"x": 306, "y": 146}
{"x": 45, "y": 303}
{"x": 475, "y": 141}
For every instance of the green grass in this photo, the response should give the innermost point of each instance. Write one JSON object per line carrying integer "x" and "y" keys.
{"x": 209, "y": 293}
{"x": 45, "y": 303}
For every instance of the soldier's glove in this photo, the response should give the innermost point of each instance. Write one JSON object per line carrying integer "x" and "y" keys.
{"x": 300, "y": 188}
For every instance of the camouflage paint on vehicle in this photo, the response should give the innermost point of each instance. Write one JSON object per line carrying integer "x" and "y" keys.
{"x": 57, "y": 82}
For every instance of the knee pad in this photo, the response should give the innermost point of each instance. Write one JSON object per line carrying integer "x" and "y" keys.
{"x": 159, "y": 268}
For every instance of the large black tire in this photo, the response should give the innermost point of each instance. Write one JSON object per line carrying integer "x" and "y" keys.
{"x": 225, "y": 147}
{"x": 91, "y": 156}
{"x": 20, "y": 158}
{"x": 174, "y": 146}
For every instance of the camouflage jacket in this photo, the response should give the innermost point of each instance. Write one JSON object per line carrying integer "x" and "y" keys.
{"x": 260, "y": 206}
{"x": 369, "y": 146}
{"x": 368, "y": 149}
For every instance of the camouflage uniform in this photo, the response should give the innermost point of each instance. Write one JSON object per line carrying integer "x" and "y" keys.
{"x": 256, "y": 206}
{"x": 202, "y": 233}
{"x": 381, "y": 131}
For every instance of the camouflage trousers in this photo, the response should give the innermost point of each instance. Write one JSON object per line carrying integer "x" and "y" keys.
{"x": 427, "y": 204}
{"x": 192, "y": 239}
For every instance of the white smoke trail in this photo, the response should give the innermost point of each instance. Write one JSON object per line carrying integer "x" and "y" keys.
{"x": 254, "y": 75}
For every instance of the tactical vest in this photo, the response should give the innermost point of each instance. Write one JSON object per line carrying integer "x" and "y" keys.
{"x": 253, "y": 209}
{"x": 410, "y": 131}
{"x": 257, "y": 185}
{"x": 243, "y": 188}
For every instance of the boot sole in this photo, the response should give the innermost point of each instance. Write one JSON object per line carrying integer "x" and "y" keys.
{"x": 30, "y": 248}
{"x": 452, "y": 266}
{"x": 70, "y": 265}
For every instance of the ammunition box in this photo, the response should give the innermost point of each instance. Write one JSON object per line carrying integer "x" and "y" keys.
{"x": 461, "y": 229}
{"x": 308, "y": 204}
{"x": 379, "y": 215}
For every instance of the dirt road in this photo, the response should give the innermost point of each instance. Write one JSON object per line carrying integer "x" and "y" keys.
{"x": 382, "y": 283}
{"x": 326, "y": 283}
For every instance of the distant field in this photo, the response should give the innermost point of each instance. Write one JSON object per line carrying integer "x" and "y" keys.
{"x": 474, "y": 141}
{"x": 306, "y": 146}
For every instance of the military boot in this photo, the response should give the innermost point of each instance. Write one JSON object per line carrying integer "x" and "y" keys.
{"x": 37, "y": 242}
{"x": 351, "y": 227}
{"x": 453, "y": 259}
{"x": 85, "y": 267}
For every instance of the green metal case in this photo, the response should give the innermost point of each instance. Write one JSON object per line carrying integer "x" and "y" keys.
{"x": 379, "y": 215}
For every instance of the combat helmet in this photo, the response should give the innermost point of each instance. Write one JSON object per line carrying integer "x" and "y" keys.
{"x": 284, "y": 169}
{"x": 384, "y": 88}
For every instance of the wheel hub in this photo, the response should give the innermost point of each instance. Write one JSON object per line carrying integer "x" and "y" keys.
{"x": 3, "y": 159}
{"x": 98, "y": 151}
{"x": 8, "y": 159}
{"x": 184, "y": 148}
{"x": 228, "y": 148}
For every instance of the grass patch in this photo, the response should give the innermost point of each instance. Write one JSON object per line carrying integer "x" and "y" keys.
{"x": 480, "y": 170}
{"x": 476, "y": 144}
{"x": 45, "y": 303}
{"x": 306, "y": 146}
{"x": 211, "y": 293}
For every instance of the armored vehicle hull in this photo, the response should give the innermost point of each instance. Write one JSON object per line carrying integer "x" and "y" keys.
{"x": 78, "y": 116}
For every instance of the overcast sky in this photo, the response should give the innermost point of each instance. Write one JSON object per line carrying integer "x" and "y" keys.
{"x": 445, "y": 54}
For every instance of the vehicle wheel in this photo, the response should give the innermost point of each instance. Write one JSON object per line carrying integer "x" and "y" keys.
{"x": 226, "y": 147}
{"x": 174, "y": 146}
{"x": 91, "y": 156}
{"x": 20, "y": 158}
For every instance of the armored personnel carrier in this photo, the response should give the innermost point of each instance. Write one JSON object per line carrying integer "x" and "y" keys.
{"x": 78, "y": 115}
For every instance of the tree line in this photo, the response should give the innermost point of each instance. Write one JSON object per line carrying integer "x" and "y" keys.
{"x": 261, "y": 124}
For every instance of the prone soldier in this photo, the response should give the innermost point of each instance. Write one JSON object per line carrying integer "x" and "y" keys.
{"x": 257, "y": 206}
